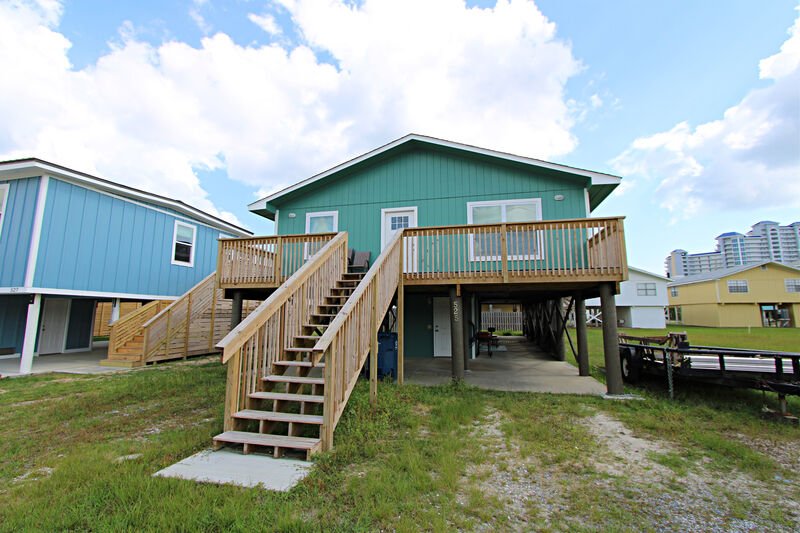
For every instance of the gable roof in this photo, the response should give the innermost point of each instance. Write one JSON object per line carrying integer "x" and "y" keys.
{"x": 725, "y": 272}
{"x": 30, "y": 167}
{"x": 648, "y": 273}
{"x": 601, "y": 184}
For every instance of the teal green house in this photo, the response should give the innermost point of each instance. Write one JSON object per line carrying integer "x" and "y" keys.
{"x": 448, "y": 227}
{"x": 424, "y": 182}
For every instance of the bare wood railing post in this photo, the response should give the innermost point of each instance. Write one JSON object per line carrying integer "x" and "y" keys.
{"x": 504, "y": 251}
{"x": 188, "y": 324}
{"x": 373, "y": 350}
{"x": 401, "y": 317}
{"x": 277, "y": 268}
{"x": 213, "y": 326}
{"x": 169, "y": 332}
{"x": 232, "y": 390}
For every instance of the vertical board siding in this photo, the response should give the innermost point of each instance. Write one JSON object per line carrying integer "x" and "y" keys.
{"x": 13, "y": 313}
{"x": 15, "y": 237}
{"x": 96, "y": 242}
{"x": 439, "y": 184}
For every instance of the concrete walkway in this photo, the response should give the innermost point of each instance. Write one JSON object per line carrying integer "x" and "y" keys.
{"x": 517, "y": 366}
{"x": 68, "y": 363}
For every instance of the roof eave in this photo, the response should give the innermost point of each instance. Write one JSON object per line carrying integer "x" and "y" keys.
{"x": 601, "y": 185}
{"x": 37, "y": 167}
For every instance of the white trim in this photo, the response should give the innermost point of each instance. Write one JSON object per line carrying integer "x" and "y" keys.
{"x": 29, "y": 168}
{"x": 36, "y": 231}
{"x": 588, "y": 203}
{"x": 314, "y": 214}
{"x": 277, "y": 214}
{"x": 395, "y": 210}
{"x": 31, "y": 333}
{"x": 174, "y": 261}
{"x": 4, "y": 187}
{"x": 95, "y": 294}
{"x": 597, "y": 178}
{"x": 537, "y": 202}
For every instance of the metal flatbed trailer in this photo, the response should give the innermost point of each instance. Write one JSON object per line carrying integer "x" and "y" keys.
{"x": 766, "y": 370}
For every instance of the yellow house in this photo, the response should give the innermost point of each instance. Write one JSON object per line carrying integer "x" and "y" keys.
{"x": 760, "y": 295}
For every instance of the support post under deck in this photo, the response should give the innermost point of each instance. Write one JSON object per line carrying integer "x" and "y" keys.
{"x": 236, "y": 308}
{"x": 457, "y": 335}
{"x": 580, "y": 330}
{"x": 610, "y": 339}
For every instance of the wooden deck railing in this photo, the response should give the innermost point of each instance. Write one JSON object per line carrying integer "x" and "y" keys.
{"x": 251, "y": 347}
{"x": 191, "y": 325}
{"x": 129, "y": 326}
{"x": 258, "y": 262}
{"x": 353, "y": 334}
{"x": 591, "y": 249}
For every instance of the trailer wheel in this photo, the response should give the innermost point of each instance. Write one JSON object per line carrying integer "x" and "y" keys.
{"x": 631, "y": 365}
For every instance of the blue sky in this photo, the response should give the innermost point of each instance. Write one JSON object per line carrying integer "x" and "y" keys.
{"x": 695, "y": 104}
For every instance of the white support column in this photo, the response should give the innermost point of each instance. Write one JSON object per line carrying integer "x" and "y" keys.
{"x": 31, "y": 332}
{"x": 114, "y": 310}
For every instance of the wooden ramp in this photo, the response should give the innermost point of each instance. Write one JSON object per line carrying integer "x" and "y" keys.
{"x": 160, "y": 331}
{"x": 293, "y": 363}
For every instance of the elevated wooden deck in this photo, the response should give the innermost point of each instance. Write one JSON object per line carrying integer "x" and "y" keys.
{"x": 588, "y": 250}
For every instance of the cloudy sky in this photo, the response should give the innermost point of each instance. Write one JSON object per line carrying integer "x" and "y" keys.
{"x": 695, "y": 104}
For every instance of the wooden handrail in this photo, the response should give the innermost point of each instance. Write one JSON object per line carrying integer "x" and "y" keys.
{"x": 241, "y": 333}
{"x": 590, "y": 249}
{"x": 130, "y": 325}
{"x": 178, "y": 301}
{"x": 261, "y": 262}
{"x": 353, "y": 334}
{"x": 260, "y": 340}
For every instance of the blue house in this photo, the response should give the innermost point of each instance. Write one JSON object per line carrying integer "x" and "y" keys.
{"x": 69, "y": 240}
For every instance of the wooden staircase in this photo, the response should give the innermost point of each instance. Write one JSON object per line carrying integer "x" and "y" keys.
{"x": 285, "y": 414}
{"x": 294, "y": 361}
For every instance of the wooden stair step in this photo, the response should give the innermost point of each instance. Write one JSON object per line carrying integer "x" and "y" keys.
{"x": 299, "y": 349}
{"x": 261, "y": 439}
{"x": 308, "y": 337}
{"x": 323, "y": 326}
{"x": 286, "y": 396}
{"x": 274, "y": 416}
{"x": 304, "y": 364}
{"x": 323, "y": 314}
{"x": 304, "y": 380}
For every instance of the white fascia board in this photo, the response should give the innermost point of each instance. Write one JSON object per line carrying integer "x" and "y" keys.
{"x": 597, "y": 178}
{"x": 84, "y": 294}
{"x": 32, "y": 167}
{"x": 647, "y": 273}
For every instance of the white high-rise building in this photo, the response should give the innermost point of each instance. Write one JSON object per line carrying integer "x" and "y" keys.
{"x": 766, "y": 241}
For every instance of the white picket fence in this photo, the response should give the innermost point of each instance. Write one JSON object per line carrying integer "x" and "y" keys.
{"x": 501, "y": 320}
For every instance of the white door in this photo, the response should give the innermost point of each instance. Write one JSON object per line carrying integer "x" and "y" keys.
{"x": 394, "y": 220}
{"x": 441, "y": 327}
{"x": 54, "y": 326}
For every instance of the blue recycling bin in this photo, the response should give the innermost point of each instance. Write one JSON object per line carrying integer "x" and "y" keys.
{"x": 387, "y": 355}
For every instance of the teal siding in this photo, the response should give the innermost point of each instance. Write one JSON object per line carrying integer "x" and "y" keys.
{"x": 418, "y": 325}
{"x": 17, "y": 226}
{"x": 96, "y": 242}
{"x": 438, "y": 183}
{"x": 13, "y": 313}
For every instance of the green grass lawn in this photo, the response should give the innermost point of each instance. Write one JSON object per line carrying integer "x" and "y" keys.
{"x": 436, "y": 459}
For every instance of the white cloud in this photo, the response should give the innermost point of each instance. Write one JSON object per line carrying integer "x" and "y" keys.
{"x": 748, "y": 158}
{"x": 265, "y": 22}
{"x": 152, "y": 115}
{"x": 595, "y": 101}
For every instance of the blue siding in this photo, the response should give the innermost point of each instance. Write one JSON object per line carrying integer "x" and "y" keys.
{"x": 13, "y": 312}
{"x": 15, "y": 236}
{"x": 96, "y": 242}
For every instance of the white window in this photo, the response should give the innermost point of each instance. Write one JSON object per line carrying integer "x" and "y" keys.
{"x": 520, "y": 244}
{"x": 737, "y": 285}
{"x": 183, "y": 241}
{"x": 673, "y": 292}
{"x": 320, "y": 222}
{"x": 646, "y": 289}
{"x": 792, "y": 285}
{"x": 3, "y": 201}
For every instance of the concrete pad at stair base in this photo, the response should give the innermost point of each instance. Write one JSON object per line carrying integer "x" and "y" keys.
{"x": 234, "y": 468}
